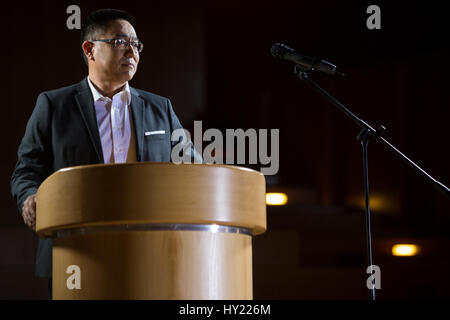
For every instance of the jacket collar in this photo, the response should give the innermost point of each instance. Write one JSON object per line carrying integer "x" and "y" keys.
{"x": 97, "y": 95}
{"x": 85, "y": 102}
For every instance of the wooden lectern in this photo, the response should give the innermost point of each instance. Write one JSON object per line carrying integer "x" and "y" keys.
{"x": 152, "y": 230}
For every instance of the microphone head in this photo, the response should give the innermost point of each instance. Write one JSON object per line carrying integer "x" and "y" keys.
{"x": 283, "y": 52}
{"x": 279, "y": 49}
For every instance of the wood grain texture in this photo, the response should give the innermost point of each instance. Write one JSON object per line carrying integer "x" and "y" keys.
{"x": 183, "y": 265}
{"x": 152, "y": 264}
{"x": 151, "y": 193}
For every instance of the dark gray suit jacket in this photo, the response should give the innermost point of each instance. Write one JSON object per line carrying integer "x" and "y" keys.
{"x": 62, "y": 132}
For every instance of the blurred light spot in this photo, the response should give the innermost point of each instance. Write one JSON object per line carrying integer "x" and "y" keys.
{"x": 386, "y": 202}
{"x": 376, "y": 202}
{"x": 276, "y": 199}
{"x": 404, "y": 250}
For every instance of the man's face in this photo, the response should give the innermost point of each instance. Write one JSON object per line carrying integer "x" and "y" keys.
{"x": 111, "y": 63}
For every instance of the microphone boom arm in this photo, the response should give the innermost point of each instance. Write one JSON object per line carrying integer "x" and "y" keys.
{"x": 300, "y": 71}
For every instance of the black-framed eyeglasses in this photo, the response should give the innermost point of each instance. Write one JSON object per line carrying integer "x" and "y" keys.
{"x": 123, "y": 44}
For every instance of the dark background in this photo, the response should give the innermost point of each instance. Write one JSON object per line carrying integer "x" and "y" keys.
{"x": 212, "y": 59}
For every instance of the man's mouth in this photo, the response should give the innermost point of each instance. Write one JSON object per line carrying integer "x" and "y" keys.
{"x": 128, "y": 64}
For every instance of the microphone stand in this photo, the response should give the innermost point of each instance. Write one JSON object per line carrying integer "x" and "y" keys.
{"x": 363, "y": 137}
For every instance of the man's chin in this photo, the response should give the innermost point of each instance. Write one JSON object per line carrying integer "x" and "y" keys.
{"x": 127, "y": 76}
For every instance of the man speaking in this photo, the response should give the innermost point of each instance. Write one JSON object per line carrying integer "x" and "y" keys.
{"x": 99, "y": 120}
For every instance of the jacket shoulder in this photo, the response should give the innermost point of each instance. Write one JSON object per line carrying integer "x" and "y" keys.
{"x": 68, "y": 90}
{"x": 152, "y": 97}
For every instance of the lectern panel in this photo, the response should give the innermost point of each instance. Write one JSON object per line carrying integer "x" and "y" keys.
{"x": 154, "y": 265}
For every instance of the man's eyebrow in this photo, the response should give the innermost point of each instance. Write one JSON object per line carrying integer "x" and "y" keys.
{"x": 126, "y": 36}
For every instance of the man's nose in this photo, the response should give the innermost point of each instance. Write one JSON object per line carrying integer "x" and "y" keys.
{"x": 131, "y": 51}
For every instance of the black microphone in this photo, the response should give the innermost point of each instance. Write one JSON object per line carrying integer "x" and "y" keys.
{"x": 280, "y": 51}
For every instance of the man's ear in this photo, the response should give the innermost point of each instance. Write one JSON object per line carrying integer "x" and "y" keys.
{"x": 88, "y": 49}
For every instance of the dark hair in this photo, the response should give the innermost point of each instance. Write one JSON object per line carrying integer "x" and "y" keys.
{"x": 97, "y": 22}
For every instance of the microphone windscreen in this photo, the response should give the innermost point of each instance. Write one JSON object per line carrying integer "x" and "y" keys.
{"x": 279, "y": 49}
{"x": 275, "y": 50}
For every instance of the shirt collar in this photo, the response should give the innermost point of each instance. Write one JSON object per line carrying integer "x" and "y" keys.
{"x": 97, "y": 95}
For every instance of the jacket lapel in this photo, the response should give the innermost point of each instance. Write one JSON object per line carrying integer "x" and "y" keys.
{"x": 85, "y": 103}
{"x": 137, "y": 110}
